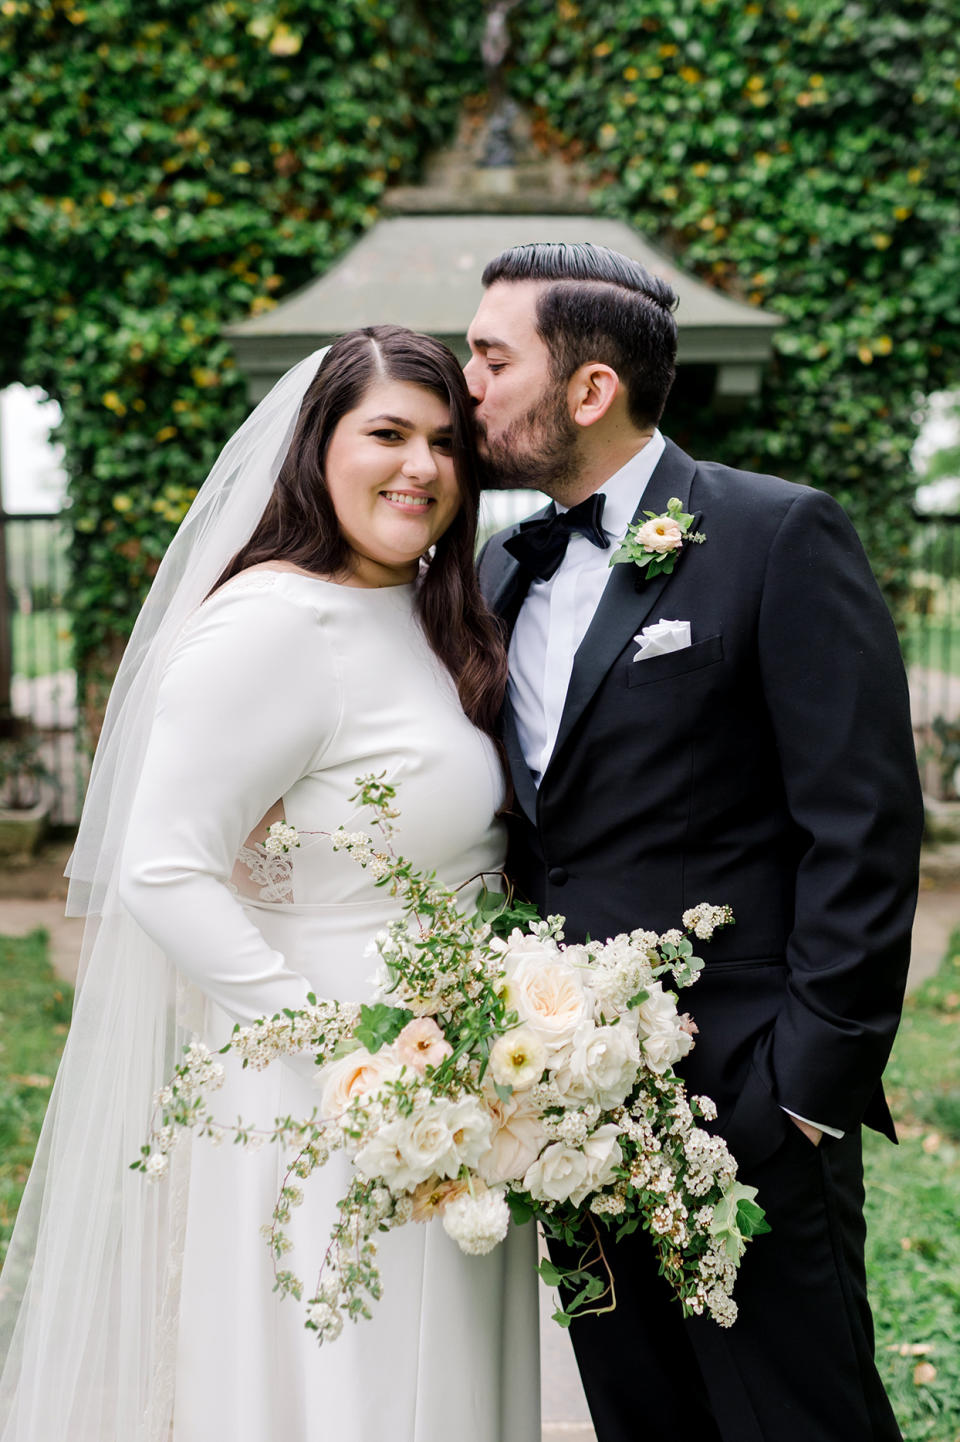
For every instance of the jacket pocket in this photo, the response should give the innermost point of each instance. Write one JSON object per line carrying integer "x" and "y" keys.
{"x": 675, "y": 663}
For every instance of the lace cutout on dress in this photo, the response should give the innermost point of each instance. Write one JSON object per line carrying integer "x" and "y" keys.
{"x": 273, "y": 875}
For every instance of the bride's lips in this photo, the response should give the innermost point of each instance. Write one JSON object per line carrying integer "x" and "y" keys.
{"x": 414, "y": 503}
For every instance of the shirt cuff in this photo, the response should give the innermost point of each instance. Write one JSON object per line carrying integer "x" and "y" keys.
{"x": 830, "y": 1131}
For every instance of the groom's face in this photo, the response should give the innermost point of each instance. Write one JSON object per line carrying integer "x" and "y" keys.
{"x": 525, "y": 432}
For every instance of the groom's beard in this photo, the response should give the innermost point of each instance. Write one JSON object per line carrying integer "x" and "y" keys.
{"x": 538, "y": 452}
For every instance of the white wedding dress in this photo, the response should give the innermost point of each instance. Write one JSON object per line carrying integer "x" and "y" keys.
{"x": 284, "y": 689}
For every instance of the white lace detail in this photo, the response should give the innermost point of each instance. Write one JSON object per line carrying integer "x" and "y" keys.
{"x": 272, "y": 874}
{"x": 254, "y": 580}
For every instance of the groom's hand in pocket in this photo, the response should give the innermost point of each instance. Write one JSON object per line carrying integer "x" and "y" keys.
{"x": 812, "y": 1134}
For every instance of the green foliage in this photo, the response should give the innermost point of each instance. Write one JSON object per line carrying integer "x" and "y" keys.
{"x": 380, "y": 1024}
{"x": 34, "y": 1012}
{"x": 803, "y": 155}
{"x": 167, "y": 167}
{"x": 913, "y": 1215}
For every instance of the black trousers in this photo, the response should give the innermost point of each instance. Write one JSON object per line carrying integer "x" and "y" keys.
{"x": 796, "y": 1366}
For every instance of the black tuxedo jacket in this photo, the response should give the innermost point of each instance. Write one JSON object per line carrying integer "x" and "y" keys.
{"x": 770, "y": 765}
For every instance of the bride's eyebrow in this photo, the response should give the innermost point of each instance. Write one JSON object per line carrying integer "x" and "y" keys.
{"x": 408, "y": 425}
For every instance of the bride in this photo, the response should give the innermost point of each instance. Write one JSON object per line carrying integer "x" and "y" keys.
{"x": 316, "y": 618}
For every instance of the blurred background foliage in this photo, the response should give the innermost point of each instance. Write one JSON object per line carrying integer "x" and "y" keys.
{"x": 168, "y": 166}
{"x": 804, "y": 155}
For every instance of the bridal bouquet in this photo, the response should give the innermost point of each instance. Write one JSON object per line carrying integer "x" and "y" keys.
{"x": 496, "y": 1072}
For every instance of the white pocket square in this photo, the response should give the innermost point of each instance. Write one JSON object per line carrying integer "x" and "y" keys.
{"x": 663, "y": 637}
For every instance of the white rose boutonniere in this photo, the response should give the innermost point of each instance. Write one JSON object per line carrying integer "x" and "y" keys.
{"x": 655, "y": 544}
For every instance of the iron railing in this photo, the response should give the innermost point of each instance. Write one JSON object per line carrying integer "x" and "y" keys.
{"x": 931, "y": 644}
{"x": 41, "y": 684}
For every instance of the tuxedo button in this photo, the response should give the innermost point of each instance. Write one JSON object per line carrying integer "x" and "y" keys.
{"x": 557, "y": 875}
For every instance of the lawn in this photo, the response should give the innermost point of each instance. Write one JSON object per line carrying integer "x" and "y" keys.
{"x": 913, "y": 1214}
{"x": 913, "y": 1190}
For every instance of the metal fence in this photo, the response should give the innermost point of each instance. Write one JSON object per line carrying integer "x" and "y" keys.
{"x": 931, "y": 644}
{"x": 43, "y": 681}
{"x": 43, "y": 688}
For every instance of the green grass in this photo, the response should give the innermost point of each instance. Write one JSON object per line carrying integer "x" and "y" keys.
{"x": 42, "y": 643}
{"x": 913, "y": 1215}
{"x": 34, "y": 1014}
{"x": 913, "y": 1191}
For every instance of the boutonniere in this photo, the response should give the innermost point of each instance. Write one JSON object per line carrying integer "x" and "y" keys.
{"x": 656, "y": 542}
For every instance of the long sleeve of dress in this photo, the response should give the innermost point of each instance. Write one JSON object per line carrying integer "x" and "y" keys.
{"x": 247, "y": 705}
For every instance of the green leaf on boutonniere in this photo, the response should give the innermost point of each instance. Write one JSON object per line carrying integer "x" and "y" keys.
{"x": 655, "y": 544}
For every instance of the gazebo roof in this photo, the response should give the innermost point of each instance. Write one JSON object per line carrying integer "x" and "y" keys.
{"x": 423, "y": 271}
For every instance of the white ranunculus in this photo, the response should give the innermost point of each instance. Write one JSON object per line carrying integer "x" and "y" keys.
{"x": 515, "y": 1143}
{"x": 557, "y": 1173}
{"x": 359, "y": 1073}
{"x": 549, "y": 996}
{"x": 602, "y": 1064}
{"x": 518, "y": 1058}
{"x": 477, "y": 1223}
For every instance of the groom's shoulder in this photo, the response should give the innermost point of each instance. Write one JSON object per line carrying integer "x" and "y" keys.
{"x": 753, "y": 495}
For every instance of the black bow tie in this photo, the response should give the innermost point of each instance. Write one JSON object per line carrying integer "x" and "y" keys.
{"x": 540, "y": 545}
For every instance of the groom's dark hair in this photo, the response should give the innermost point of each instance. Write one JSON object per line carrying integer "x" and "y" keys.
{"x": 605, "y": 307}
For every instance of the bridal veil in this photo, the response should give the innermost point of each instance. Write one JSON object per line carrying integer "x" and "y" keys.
{"x": 89, "y": 1290}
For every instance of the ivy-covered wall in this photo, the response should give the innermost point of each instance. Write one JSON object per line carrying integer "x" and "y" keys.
{"x": 805, "y": 156}
{"x": 168, "y": 166}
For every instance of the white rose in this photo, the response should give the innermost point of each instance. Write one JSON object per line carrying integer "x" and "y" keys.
{"x": 658, "y": 1012}
{"x": 602, "y": 1065}
{"x": 664, "y": 1047}
{"x": 515, "y": 1144}
{"x": 426, "y": 1142}
{"x": 382, "y": 1156}
{"x": 357, "y": 1074}
{"x": 518, "y": 1058}
{"x": 470, "y": 1125}
{"x": 520, "y": 944}
{"x": 557, "y": 1173}
{"x": 549, "y": 996}
{"x": 603, "y": 1156}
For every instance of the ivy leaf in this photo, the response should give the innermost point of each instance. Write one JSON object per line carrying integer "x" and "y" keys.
{"x": 751, "y": 1219}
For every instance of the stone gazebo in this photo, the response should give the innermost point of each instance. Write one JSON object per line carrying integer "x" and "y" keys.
{"x": 420, "y": 266}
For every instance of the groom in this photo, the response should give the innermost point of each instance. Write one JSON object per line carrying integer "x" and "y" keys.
{"x": 756, "y": 753}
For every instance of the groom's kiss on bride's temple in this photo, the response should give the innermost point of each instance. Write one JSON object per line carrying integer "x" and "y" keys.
{"x": 722, "y": 714}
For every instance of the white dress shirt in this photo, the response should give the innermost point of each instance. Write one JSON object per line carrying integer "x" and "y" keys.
{"x": 554, "y": 619}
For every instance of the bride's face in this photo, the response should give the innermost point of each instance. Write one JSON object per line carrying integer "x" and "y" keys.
{"x": 389, "y": 471}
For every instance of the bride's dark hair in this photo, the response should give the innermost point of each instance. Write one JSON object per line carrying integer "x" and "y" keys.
{"x": 300, "y": 524}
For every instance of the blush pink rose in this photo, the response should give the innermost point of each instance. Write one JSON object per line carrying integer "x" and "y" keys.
{"x": 660, "y": 535}
{"x": 422, "y": 1044}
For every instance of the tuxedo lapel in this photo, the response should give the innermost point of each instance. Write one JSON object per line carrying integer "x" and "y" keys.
{"x": 524, "y": 789}
{"x": 628, "y": 597}
{"x": 506, "y": 596}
